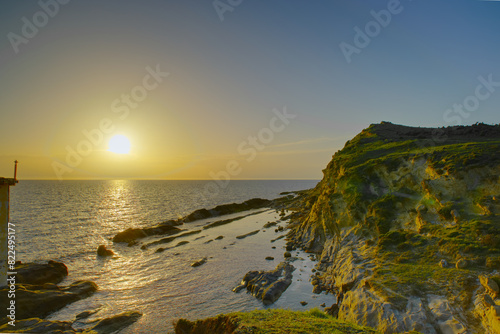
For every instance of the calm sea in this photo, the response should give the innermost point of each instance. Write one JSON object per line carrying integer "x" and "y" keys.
{"x": 66, "y": 221}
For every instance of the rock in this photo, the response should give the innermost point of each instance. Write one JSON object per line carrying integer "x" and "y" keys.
{"x": 323, "y": 305}
{"x": 103, "y": 251}
{"x": 199, "y": 262}
{"x": 85, "y": 314}
{"x": 33, "y": 302}
{"x": 255, "y": 203}
{"x": 493, "y": 262}
{"x": 220, "y": 237}
{"x": 169, "y": 239}
{"x": 490, "y": 285}
{"x": 274, "y": 247}
{"x": 269, "y": 258}
{"x": 116, "y": 323}
{"x": 104, "y": 326}
{"x": 287, "y": 254}
{"x": 317, "y": 289}
{"x": 267, "y": 285}
{"x": 462, "y": 264}
{"x": 247, "y": 235}
{"x": 131, "y": 235}
{"x": 443, "y": 263}
{"x": 34, "y": 273}
{"x": 270, "y": 224}
{"x": 303, "y": 303}
{"x": 37, "y": 325}
{"x": 495, "y": 309}
{"x": 487, "y": 300}
{"x": 333, "y": 310}
{"x": 289, "y": 247}
{"x": 160, "y": 250}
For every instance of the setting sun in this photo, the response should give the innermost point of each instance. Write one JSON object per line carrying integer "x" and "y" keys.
{"x": 119, "y": 144}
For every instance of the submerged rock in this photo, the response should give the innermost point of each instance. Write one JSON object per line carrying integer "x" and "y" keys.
{"x": 267, "y": 285}
{"x": 103, "y": 251}
{"x": 116, "y": 323}
{"x": 199, "y": 262}
{"x": 247, "y": 235}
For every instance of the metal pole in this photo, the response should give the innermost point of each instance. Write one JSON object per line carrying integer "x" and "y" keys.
{"x": 15, "y": 170}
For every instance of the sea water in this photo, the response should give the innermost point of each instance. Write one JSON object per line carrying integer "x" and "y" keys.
{"x": 67, "y": 220}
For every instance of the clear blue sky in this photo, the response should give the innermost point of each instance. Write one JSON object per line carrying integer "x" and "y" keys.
{"x": 226, "y": 77}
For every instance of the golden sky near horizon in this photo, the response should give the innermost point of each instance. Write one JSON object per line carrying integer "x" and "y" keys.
{"x": 262, "y": 91}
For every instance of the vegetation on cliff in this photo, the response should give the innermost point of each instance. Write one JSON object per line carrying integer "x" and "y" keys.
{"x": 409, "y": 218}
{"x": 271, "y": 321}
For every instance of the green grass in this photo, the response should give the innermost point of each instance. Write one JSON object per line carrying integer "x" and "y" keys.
{"x": 271, "y": 321}
{"x": 285, "y": 321}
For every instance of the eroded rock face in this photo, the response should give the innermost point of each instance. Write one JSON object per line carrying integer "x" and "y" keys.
{"x": 267, "y": 285}
{"x": 396, "y": 202}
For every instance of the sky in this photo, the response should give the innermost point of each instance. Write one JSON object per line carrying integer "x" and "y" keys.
{"x": 233, "y": 89}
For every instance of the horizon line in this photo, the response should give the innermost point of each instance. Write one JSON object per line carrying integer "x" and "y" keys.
{"x": 139, "y": 179}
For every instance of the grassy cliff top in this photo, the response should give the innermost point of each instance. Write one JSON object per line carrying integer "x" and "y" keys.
{"x": 387, "y": 142}
{"x": 271, "y": 321}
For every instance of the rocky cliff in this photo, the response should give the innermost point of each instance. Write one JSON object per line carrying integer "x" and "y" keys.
{"x": 406, "y": 225}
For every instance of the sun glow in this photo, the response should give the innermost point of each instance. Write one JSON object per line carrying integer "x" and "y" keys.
{"x": 119, "y": 144}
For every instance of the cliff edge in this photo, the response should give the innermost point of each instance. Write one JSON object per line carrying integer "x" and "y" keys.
{"x": 406, "y": 227}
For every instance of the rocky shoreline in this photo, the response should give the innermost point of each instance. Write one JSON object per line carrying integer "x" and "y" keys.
{"x": 38, "y": 295}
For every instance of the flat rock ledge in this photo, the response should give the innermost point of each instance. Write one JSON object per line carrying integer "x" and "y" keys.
{"x": 169, "y": 227}
{"x": 103, "y": 326}
{"x": 267, "y": 285}
{"x": 37, "y": 296}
